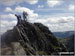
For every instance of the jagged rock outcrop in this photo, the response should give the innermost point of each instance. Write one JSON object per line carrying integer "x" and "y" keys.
{"x": 30, "y": 39}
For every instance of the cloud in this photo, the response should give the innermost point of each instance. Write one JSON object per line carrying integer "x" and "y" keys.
{"x": 7, "y": 17}
{"x": 13, "y": 2}
{"x": 8, "y": 9}
{"x": 56, "y": 20}
{"x": 8, "y": 2}
{"x": 31, "y": 1}
{"x": 61, "y": 27}
{"x": 7, "y": 25}
{"x": 8, "y": 21}
{"x": 55, "y": 24}
{"x": 71, "y": 7}
{"x": 52, "y": 3}
{"x": 20, "y": 9}
{"x": 40, "y": 6}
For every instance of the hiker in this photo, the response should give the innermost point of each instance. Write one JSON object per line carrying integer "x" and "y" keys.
{"x": 25, "y": 14}
{"x": 18, "y": 19}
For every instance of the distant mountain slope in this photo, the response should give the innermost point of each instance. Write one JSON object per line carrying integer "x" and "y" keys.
{"x": 69, "y": 42}
{"x": 63, "y": 34}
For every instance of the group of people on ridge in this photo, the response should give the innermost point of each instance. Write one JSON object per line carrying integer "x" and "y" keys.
{"x": 25, "y": 14}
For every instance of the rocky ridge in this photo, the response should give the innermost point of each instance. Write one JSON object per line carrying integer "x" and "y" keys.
{"x": 30, "y": 39}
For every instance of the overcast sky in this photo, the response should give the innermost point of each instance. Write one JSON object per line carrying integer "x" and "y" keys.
{"x": 58, "y": 15}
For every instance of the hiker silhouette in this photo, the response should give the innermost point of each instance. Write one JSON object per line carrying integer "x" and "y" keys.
{"x": 25, "y": 14}
{"x": 19, "y": 20}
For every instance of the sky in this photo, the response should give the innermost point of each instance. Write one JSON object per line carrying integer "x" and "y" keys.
{"x": 58, "y": 15}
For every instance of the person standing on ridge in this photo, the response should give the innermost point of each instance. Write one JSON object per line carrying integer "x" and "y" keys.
{"x": 25, "y": 14}
{"x": 18, "y": 19}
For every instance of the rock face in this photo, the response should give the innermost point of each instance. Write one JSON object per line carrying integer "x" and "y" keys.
{"x": 30, "y": 39}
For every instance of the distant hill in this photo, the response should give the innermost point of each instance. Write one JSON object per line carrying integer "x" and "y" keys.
{"x": 63, "y": 34}
{"x": 68, "y": 42}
